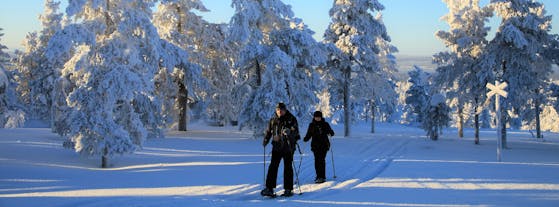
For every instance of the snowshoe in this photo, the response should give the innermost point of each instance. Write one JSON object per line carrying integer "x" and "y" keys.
{"x": 287, "y": 193}
{"x": 267, "y": 192}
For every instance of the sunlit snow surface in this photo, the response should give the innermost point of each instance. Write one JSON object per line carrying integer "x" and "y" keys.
{"x": 211, "y": 166}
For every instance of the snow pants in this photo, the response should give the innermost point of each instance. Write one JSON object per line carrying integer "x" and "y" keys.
{"x": 320, "y": 163}
{"x": 271, "y": 178}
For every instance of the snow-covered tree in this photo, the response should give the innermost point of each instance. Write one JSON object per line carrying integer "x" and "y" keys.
{"x": 303, "y": 82}
{"x": 36, "y": 74}
{"x": 552, "y": 50}
{"x": 11, "y": 116}
{"x": 458, "y": 74}
{"x": 404, "y": 113}
{"x": 554, "y": 96}
{"x": 354, "y": 30}
{"x": 4, "y": 56}
{"x": 418, "y": 94}
{"x": 109, "y": 80}
{"x": 178, "y": 23}
{"x": 277, "y": 61}
{"x": 383, "y": 93}
{"x": 519, "y": 43}
{"x": 436, "y": 116}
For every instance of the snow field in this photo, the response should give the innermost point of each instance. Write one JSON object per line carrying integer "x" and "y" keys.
{"x": 207, "y": 166}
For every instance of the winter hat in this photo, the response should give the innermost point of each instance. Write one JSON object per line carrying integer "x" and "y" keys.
{"x": 317, "y": 114}
{"x": 281, "y": 106}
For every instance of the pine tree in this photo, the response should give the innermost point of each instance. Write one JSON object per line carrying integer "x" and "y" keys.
{"x": 4, "y": 83}
{"x": 354, "y": 32}
{"x": 554, "y": 90}
{"x": 436, "y": 116}
{"x": 178, "y": 23}
{"x": 418, "y": 94}
{"x": 384, "y": 96}
{"x": 518, "y": 44}
{"x": 277, "y": 61}
{"x": 11, "y": 115}
{"x": 4, "y": 56}
{"x": 115, "y": 56}
{"x": 404, "y": 112}
{"x": 457, "y": 71}
{"x": 36, "y": 79}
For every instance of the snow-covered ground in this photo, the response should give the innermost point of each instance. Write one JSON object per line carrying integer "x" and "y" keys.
{"x": 210, "y": 166}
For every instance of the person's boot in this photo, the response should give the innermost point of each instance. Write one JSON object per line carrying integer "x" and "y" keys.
{"x": 287, "y": 193}
{"x": 320, "y": 180}
{"x": 267, "y": 192}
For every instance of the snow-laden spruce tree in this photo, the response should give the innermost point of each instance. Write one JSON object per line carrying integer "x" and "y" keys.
{"x": 115, "y": 54}
{"x": 36, "y": 74}
{"x": 552, "y": 50}
{"x": 554, "y": 88}
{"x": 11, "y": 115}
{"x": 436, "y": 116}
{"x": 418, "y": 94}
{"x": 384, "y": 96}
{"x": 303, "y": 81}
{"x": 177, "y": 22}
{"x": 276, "y": 62}
{"x": 4, "y": 59}
{"x": 354, "y": 30}
{"x": 457, "y": 73}
{"x": 404, "y": 112}
{"x": 519, "y": 43}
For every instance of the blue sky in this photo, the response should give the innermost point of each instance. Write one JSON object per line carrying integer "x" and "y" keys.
{"x": 411, "y": 23}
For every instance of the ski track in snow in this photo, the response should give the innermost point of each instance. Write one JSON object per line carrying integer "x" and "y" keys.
{"x": 378, "y": 155}
{"x": 183, "y": 168}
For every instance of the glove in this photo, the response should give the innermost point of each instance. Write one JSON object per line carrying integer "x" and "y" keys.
{"x": 264, "y": 142}
{"x": 285, "y": 131}
{"x": 306, "y": 139}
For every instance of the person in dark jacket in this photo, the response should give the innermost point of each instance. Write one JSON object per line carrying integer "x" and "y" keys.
{"x": 283, "y": 130}
{"x": 318, "y": 131}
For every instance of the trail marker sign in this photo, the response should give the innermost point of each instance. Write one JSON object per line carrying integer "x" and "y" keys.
{"x": 498, "y": 90}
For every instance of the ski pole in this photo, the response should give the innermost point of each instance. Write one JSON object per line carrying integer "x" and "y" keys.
{"x": 300, "y": 160}
{"x": 333, "y": 166}
{"x": 297, "y": 177}
{"x": 264, "y": 165}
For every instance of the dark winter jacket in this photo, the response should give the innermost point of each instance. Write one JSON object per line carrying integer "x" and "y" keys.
{"x": 319, "y": 131}
{"x": 284, "y": 132}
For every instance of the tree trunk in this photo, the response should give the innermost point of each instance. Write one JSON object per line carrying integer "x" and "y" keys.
{"x": 54, "y": 97}
{"x": 538, "y": 124}
{"x": 476, "y": 121}
{"x": 476, "y": 130}
{"x": 373, "y": 105}
{"x": 183, "y": 107}
{"x": 108, "y": 21}
{"x": 460, "y": 121}
{"x": 347, "y": 76}
{"x": 503, "y": 130}
{"x": 179, "y": 23}
{"x": 503, "y": 115}
{"x": 258, "y": 74}
{"x": 105, "y": 158}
